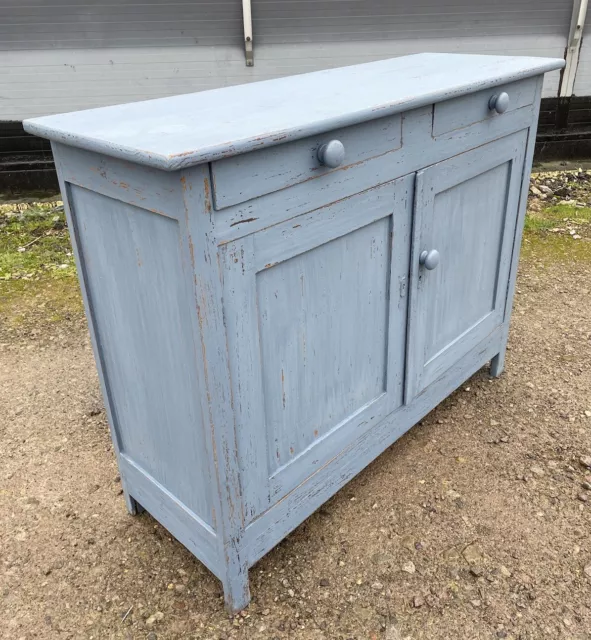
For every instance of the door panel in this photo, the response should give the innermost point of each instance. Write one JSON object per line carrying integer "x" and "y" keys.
{"x": 315, "y": 310}
{"x": 466, "y": 209}
{"x": 451, "y": 286}
{"x": 323, "y": 322}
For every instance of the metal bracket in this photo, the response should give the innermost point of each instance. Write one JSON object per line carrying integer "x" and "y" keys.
{"x": 247, "y": 18}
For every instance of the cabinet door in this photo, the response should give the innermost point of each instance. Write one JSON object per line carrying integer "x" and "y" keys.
{"x": 315, "y": 310}
{"x": 465, "y": 214}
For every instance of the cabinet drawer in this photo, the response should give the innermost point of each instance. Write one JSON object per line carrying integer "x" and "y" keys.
{"x": 467, "y": 110}
{"x": 251, "y": 175}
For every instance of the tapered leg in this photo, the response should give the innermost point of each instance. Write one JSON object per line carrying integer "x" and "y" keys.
{"x": 236, "y": 589}
{"x": 497, "y": 364}
{"x": 133, "y": 506}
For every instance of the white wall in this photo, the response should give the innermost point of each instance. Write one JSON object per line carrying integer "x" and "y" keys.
{"x": 76, "y": 54}
{"x": 583, "y": 77}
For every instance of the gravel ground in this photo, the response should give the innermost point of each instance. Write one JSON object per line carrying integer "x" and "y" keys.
{"x": 474, "y": 525}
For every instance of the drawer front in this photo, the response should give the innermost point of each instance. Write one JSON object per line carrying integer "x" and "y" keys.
{"x": 468, "y": 110}
{"x": 241, "y": 178}
{"x": 420, "y": 149}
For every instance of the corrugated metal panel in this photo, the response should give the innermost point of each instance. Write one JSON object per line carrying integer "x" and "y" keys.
{"x": 511, "y": 27}
{"x": 290, "y": 36}
{"x": 44, "y": 82}
{"x": 278, "y": 60}
{"x": 583, "y": 77}
{"x": 282, "y": 21}
{"x": 59, "y": 24}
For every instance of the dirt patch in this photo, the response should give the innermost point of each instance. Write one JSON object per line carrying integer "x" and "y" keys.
{"x": 474, "y": 525}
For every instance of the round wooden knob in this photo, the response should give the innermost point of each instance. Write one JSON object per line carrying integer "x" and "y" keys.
{"x": 331, "y": 154}
{"x": 499, "y": 102}
{"x": 429, "y": 259}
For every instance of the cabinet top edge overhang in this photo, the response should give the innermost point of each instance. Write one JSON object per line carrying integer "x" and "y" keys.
{"x": 177, "y": 132}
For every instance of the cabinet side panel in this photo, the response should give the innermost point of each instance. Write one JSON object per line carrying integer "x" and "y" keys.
{"x": 137, "y": 291}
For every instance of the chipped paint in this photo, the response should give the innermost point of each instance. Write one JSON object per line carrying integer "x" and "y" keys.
{"x": 207, "y": 194}
{"x": 191, "y": 250}
{"x": 101, "y": 171}
{"x": 238, "y": 181}
{"x": 242, "y": 221}
{"x": 182, "y": 154}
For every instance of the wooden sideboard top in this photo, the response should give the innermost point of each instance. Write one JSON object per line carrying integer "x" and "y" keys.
{"x": 180, "y": 131}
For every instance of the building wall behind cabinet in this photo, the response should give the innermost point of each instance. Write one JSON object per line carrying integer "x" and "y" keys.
{"x": 90, "y": 24}
{"x": 583, "y": 76}
{"x": 78, "y": 54}
{"x": 385, "y": 28}
{"x": 579, "y": 108}
{"x": 564, "y": 131}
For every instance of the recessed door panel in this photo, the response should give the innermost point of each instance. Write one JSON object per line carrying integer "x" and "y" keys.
{"x": 323, "y": 319}
{"x": 464, "y": 224}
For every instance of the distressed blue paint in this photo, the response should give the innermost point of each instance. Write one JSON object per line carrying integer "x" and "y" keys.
{"x": 237, "y": 179}
{"x": 181, "y": 131}
{"x": 420, "y": 149}
{"x": 466, "y": 207}
{"x": 332, "y": 154}
{"x": 323, "y": 327}
{"x": 500, "y": 102}
{"x": 134, "y": 279}
{"x": 255, "y": 357}
{"x": 476, "y": 107}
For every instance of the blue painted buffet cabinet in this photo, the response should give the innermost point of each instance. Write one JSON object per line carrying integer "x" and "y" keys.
{"x": 281, "y": 278}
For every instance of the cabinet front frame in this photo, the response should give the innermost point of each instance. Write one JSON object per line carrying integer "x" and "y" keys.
{"x": 420, "y": 149}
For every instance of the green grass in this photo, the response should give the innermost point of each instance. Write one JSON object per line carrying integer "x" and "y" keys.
{"x": 556, "y": 216}
{"x": 562, "y": 211}
{"x": 39, "y": 288}
{"x": 38, "y": 284}
{"x": 533, "y": 223}
{"x": 547, "y": 246}
{"x": 35, "y": 242}
{"x": 39, "y": 303}
{"x": 555, "y": 248}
